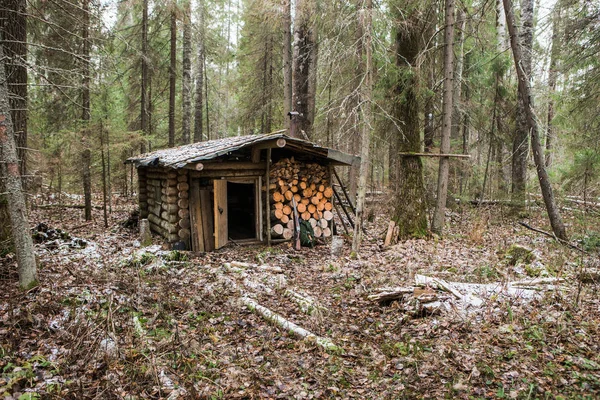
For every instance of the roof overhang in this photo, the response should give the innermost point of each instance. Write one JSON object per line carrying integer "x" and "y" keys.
{"x": 190, "y": 156}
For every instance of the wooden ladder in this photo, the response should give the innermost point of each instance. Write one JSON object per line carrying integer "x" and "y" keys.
{"x": 346, "y": 204}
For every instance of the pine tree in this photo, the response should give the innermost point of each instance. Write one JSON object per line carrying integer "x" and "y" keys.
{"x": 437, "y": 225}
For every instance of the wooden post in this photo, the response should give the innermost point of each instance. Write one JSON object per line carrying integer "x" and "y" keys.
{"x": 268, "y": 202}
{"x": 145, "y": 236}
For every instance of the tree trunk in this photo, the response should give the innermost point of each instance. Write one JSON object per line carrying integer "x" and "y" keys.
{"x": 410, "y": 212}
{"x": 186, "y": 82}
{"x": 302, "y": 61}
{"x": 442, "y": 188}
{"x": 104, "y": 187}
{"x": 9, "y": 168}
{"x": 313, "y": 70}
{"x": 14, "y": 28}
{"x": 86, "y": 156}
{"x": 464, "y": 173}
{"x": 198, "y": 109}
{"x": 429, "y": 128}
{"x": 430, "y": 97}
{"x": 525, "y": 94}
{"x": 365, "y": 106}
{"x": 503, "y": 173}
{"x": 552, "y": 76}
{"x": 287, "y": 61}
{"x": 172, "y": 76}
{"x": 353, "y": 106}
{"x": 520, "y": 148}
{"x": 144, "y": 83}
{"x": 458, "y": 75}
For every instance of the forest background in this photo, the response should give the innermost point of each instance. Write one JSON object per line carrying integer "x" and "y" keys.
{"x": 93, "y": 83}
{"x": 444, "y": 101}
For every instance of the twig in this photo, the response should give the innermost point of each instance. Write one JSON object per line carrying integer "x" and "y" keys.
{"x": 559, "y": 240}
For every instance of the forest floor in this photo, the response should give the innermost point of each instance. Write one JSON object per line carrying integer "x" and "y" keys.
{"x": 113, "y": 320}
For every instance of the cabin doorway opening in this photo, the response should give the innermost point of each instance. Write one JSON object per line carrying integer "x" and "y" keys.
{"x": 241, "y": 206}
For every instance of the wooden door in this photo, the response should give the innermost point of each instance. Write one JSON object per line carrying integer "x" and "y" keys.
{"x": 220, "y": 212}
{"x": 201, "y": 218}
{"x": 197, "y": 241}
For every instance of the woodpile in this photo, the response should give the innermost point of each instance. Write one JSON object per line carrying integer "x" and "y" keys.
{"x": 305, "y": 184}
{"x": 163, "y": 198}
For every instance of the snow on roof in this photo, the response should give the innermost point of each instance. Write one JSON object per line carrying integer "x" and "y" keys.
{"x": 179, "y": 157}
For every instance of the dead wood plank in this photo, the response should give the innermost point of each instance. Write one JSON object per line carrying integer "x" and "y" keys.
{"x": 434, "y": 155}
{"x": 196, "y": 217}
{"x": 207, "y": 220}
{"x": 220, "y": 212}
{"x": 389, "y": 294}
{"x": 390, "y": 232}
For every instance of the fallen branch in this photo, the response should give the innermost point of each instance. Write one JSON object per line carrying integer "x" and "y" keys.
{"x": 481, "y": 202}
{"x": 561, "y": 241}
{"x": 463, "y": 295}
{"x": 536, "y": 282}
{"x": 307, "y": 304}
{"x": 78, "y": 206}
{"x": 278, "y": 320}
{"x": 264, "y": 267}
{"x": 437, "y": 283}
{"x": 389, "y": 294}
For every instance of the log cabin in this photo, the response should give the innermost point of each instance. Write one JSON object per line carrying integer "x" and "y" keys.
{"x": 244, "y": 189}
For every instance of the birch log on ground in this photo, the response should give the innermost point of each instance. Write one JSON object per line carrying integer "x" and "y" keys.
{"x": 289, "y": 326}
{"x": 10, "y": 170}
{"x": 307, "y": 304}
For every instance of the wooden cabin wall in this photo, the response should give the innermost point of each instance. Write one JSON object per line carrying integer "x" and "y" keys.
{"x": 164, "y": 200}
{"x": 143, "y": 192}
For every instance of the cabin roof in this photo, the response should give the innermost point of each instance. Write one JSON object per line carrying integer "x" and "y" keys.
{"x": 179, "y": 157}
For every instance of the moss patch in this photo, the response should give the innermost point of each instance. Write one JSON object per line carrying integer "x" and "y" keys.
{"x": 519, "y": 255}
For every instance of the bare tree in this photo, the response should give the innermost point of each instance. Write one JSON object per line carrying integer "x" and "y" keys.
{"x": 186, "y": 82}
{"x": 86, "y": 155}
{"x": 304, "y": 52}
{"x": 9, "y": 167}
{"x": 172, "y": 75}
{"x": 144, "y": 85}
{"x": 366, "y": 90}
{"x": 552, "y": 77}
{"x": 198, "y": 108}
{"x": 538, "y": 155}
{"x": 442, "y": 189}
{"x": 406, "y": 172}
{"x": 14, "y": 25}
{"x": 287, "y": 60}
{"x": 458, "y": 73}
{"x": 521, "y": 135}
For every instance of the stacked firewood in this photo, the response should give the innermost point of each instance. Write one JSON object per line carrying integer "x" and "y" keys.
{"x": 305, "y": 186}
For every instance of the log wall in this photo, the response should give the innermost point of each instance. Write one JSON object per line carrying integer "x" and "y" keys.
{"x": 164, "y": 195}
{"x": 164, "y": 198}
